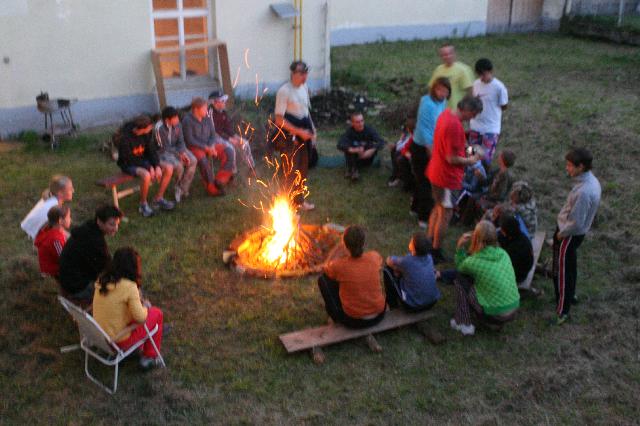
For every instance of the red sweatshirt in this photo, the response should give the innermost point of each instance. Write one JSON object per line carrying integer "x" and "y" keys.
{"x": 49, "y": 243}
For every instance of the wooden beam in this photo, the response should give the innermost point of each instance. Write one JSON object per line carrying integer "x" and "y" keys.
{"x": 157, "y": 71}
{"x": 336, "y": 333}
{"x": 190, "y": 46}
{"x": 225, "y": 72}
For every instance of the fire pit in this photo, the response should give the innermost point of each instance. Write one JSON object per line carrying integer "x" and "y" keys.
{"x": 285, "y": 248}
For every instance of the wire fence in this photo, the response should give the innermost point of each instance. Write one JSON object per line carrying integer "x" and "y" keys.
{"x": 622, "y": 11}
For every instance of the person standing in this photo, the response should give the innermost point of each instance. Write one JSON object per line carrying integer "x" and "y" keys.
{"x": 574, "y": 221}
{"x": 431, "y": 106}
{"x": 296, "y": 132}
{"x": 360, "y": 144}
{"x": 173, "y": 151}
{"x": 458, "y": 73}
{"x": 446, "y": 167}
{"x": 485, "y": 128}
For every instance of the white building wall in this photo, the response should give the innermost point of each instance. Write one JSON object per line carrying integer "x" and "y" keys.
{"x": 356, "y": 21}
{"x": 250, "y": 24}
{"x": 96, "y": 51}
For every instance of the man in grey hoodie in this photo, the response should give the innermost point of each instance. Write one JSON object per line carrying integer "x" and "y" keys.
{"x": 574, "y": 221}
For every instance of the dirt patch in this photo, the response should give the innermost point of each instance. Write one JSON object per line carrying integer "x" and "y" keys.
{"x": 8, "y": 146}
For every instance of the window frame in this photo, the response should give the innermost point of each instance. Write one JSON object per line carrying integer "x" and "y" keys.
{"x": 180, "y": 14}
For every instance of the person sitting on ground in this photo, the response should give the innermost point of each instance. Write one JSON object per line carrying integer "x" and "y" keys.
{"x": 485, "y": 128}
{"x": 495, "y": 214}
{"x": 401, "y": 158}
{"x": 517, "y": 245}
{"x": 52, "y": 238}
{"x": 59, "y": 192}
{"x": 137, "y": 156}
{"x": 431, "y": 106}
{"x": 350, "y": 285}
{"x": 445, "y": 169}
{"x": 411, "y": 280}
{"x": 121, "y": 312}
{"x": 485, "y": 281}
{"x": 172, "y": 151}
{"x": 473, "y": 187}
{"x": 201, "y": 139}
{"x": 86, "y": 253}
{"x": 225, "y": 130}
{"x": 524, "y": 204}
{"x": 360, "y": 144}
{"x": 500, "y": 182}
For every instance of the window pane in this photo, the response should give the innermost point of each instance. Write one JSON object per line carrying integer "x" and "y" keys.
{"x": 194, "y": 4}
{"x": 164, "y": 28}
{"x": 195, "y": 26}
{"x": 197, "y": 61}
{"x": 164, "y": 4}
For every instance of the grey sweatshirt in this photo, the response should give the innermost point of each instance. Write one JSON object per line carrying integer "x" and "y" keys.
{"x": 198, "y": 134}
{"x": 169, "y": 139}
{"x": 581, "y": 206}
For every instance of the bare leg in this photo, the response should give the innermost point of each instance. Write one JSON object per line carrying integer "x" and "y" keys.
{"x": 145, "y": 181}
{"x": 441, "y": 226}
{"x": 433, "y": 220}
{"x": 167, "y": 172}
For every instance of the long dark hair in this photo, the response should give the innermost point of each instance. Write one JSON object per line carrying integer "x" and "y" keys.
{"x": 125, "y": 264}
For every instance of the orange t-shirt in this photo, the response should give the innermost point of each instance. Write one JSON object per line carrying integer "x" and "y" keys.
{"x": 361, "y": 291}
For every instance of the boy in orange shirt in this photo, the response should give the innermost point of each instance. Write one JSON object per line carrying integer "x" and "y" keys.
{"x": 351, "y": 285}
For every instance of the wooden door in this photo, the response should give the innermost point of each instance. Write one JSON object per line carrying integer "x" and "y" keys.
{"x": 513, "y": 15}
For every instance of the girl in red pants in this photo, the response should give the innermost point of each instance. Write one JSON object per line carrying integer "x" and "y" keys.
{"x": 117, "y": 306}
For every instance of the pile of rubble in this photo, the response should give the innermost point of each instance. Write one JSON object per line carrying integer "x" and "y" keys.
{"x": 335, "y": 106}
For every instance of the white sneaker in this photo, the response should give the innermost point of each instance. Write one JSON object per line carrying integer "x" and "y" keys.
{"x": 393, "y": 183}
{"x": 423, "y": 225}
{"x": 178, "y": 194}
{"x": 466, "y": 330}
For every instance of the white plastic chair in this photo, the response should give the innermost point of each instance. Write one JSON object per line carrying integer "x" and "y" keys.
{"x": 95, "y": 342}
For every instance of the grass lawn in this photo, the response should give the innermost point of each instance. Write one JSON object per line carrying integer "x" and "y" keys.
{"x": 225, "y": 362}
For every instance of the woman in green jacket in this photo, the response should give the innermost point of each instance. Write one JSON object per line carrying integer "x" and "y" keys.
{"x": 485, "y": 281}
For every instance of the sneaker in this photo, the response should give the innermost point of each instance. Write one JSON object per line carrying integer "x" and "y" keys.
{"x": 393, "y": 183}
{"x": 163, "y": 204}
{"x": 466, "y": 330}
{"x": 148, "y": 363}
{"x": 145, "y": 210}
{"x": 559, "y": 320}
{"x": 413, "y": 213}
{"x": 355, "y": 176}
{"x": 178, "y": 195}
{"x": 423, "y": 225}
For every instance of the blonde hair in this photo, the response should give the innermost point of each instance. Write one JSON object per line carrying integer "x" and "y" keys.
{"x": 484, "y": 235}
{"x": 56, "y": 184}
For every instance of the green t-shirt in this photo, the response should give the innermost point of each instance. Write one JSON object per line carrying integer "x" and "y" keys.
{"x": 493, "y": 277}
{"x": 461, "y": 78}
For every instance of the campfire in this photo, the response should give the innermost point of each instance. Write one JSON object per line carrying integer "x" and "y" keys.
{"x": 282, "y": 247}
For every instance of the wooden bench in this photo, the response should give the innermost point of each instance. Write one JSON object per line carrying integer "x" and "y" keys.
{"x": 315, "y": 338}
{"x": 537, "y": 243}
{"x": 116, "y": 181}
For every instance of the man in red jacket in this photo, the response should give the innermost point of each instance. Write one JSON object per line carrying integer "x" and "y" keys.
{"x": 446, "y": 167}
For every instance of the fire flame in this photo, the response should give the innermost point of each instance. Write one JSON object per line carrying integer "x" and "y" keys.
{"x": 283, "y": 224}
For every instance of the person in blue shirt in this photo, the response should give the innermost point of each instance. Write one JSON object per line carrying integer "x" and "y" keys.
{"x": 431, "y": 106}
{"x": 410, "y": 281}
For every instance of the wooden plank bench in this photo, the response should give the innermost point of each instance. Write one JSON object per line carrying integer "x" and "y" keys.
{"x": 315, "y": 338}
{"x": 116, "y": 181}
{"x": 537, "y": 243}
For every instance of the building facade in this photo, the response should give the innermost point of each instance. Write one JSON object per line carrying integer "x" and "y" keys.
{"x": 98, "y": 52}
